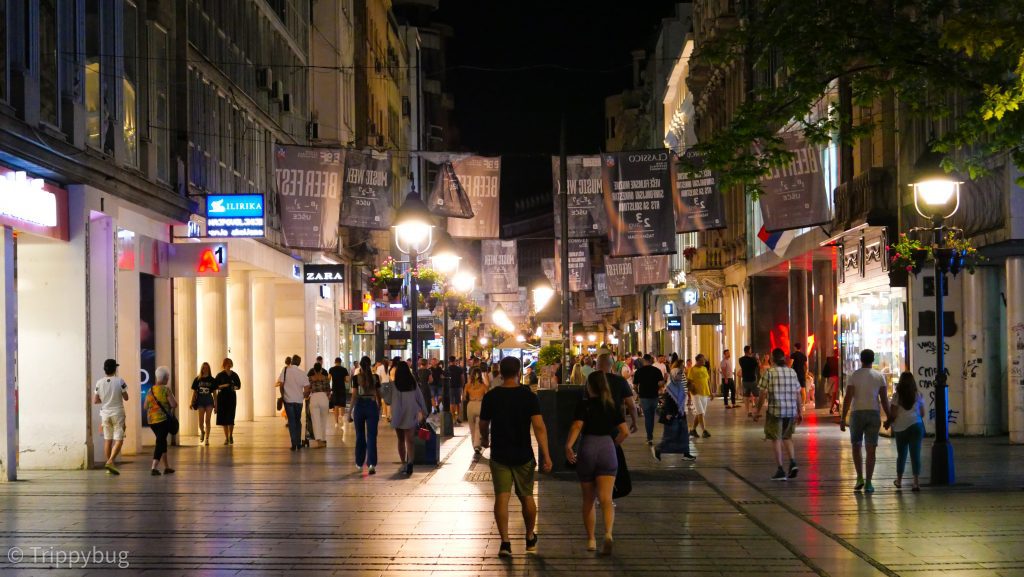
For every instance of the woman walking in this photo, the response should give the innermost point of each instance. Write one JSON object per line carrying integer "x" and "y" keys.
{"x": 319, "y": 404}
{"x": 160, "y": 402}
{"x": 597, "y": 419}
{"x": 408, "y": 409}
{"x": 203, "y": 387}
{"x": 907, "y": 423}
{"x": 227, "y": 383}
{"x": 475, "y": 391}
{"x": 676, "y": 436}
{"x": 366, "y": 414}
{"x": 700, "y": 390}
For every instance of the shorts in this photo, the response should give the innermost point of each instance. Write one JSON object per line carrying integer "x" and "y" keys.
{"x": 700, "y": 404}
{"x": 113, "y": 427}
{"x": 802, "y": 381}
{"x": 750, "y": 389}
{"x": 597, "y": 458}
{"x": 779, "y": 428}
{"x": 864, "y": 426}
{"x": 435, "y": 391}
{"x": 505, "y": 478}
{"x": 455, "y": 395}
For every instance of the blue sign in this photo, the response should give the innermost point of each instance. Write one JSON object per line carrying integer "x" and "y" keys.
{"x": 234, "y": 215}
{"x": 674, "y": 323}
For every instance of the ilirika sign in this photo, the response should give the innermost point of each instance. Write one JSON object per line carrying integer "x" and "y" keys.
{"x": 30, "y": 205}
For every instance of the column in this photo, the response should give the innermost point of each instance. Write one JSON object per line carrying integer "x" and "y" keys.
{"x": 974, "y": 386}
{"x": 102, "y": 315}
{"x": 1015, "y": 345}
{"x": 264, "y": 361}
{"x": 798, "y": 291}
{"x": 311, "y": 294}
{"x": 823, "y": 309}
{"x": 240, "y": 339}
{"x": 129, "y": 357}
{"x": 8, "y": 368}
{"x": 212, "y": 322}
{"x": 185, "y": 365}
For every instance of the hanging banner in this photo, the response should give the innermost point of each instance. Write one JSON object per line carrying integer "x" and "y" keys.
{"x": 447, "y": 196}
{"x": 587, "y": 216}
{"x": 698, "y": 202}
{"x": 309, "y": 194}
{"x": 619, "y": 276}
{"x": 651, "y": 269}
{"x": 551, "y": 272}
{"x": 637, "y": 198}
{"x": 367, "y": 195}
{"x": 481, "y": 178}
{"x": 500, "y": 266}
{"x": 602, "y": 300}
{"x": 793, "y": 196}
{"x": 580, "y": 272}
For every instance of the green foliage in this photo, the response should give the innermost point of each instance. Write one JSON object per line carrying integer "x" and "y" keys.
{"x": 550, "y": 354}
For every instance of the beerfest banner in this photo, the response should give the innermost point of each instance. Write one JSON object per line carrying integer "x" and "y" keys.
{"x": 500, "y": 266}
{"x": 619, "y": 276}
{"x": 651, "y": 269}
{"x": 480, "y": 176}
{"x": 587, "y": 216}
{"x": 580, "y": 272}
{"x": 366, "y": 195}
{"x": 448, "y": 197}
{"x": 309, "y": 195}
{"x": 793, "y": 196}
{"x": 637, "y": 197}
{"x": 698, "y": 201}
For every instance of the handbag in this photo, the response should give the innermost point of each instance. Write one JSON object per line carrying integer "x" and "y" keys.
{"x": 423, "y": 433}
{"x": 623, "y": 482}
{"x": 172, "y": 421}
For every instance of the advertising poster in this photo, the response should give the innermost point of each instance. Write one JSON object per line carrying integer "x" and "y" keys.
{"x": 309, "y": 195}
{"x": 500, "y": 266}
{"x": 638, "y": 200}
{"x": 794, "y": 195}
{"x": 651, "y": 269}
{"x": 480, "y": 176}
{"x": 699, "y": 203}
{"x": 580, "y": 271}
{"x": 366, "y": 194}
{"x": 602, "y": 300}
{"x": 619, "y": 276}
{"x": 587, "y": 216}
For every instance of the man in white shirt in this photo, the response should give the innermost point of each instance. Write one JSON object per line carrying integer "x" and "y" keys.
{"x": 661, "y": 366}
{"x": 110, "y": 393}
{"x": 867, "y": 392}
{"x": 728, "y": 380}
{"x": 294, "y": 389}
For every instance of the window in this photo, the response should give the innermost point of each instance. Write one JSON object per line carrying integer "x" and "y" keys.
{"x": 131, "y": 84}
{"x": 158, "y": 114}
{"x": 49, "y": 86}
{"x": 92, "y": 72}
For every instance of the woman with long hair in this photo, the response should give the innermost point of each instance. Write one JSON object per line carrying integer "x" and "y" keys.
{"x": 366, "y": 414}
{"x": 408, "y": 409}
{"x": 475, "y": 391}
{"x": 576, "y": 376}
{"x": 227, "y": 383}
{"x": 203, "y": 387}
{"x": 907, "y": 422}
{"x": 597, "y": 420}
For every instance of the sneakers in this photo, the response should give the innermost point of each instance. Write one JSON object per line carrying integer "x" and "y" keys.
{"x": 154, "y": 472}
{"x": 168, "y": 471}
{"x": 531, "y": 544}
{"x": 779, "y": 475}
{"x": 706, "y": 434}
{"x": 693, "y": 433}
{"x": 111, "y": 469}
{"x": 868, "y": 487}
{"x": 650, "y": 442}
{"x": 689, "y": 457}
{"x": 505, "y": 550}
{"x": 373, "y": 470}
{"x": 657, "y": 453}
{"x": 859, "y": 485}
{"x": 793, "y": 470}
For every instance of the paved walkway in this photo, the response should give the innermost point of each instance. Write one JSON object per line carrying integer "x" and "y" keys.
{"x": 258, "y": 508}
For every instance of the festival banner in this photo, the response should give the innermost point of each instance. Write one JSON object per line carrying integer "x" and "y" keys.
{"x": 366, "y": 192}
{"x": 587, "y": 215}
{"x": 580, "y": 272}
{"x": 619, "y": 276}
{"x": 602, "y": 300}
{"x": 638, "y": 200}
{"x": 551, "y": 272}
{"x": 309, "y": 195}
{"x": 448, "y": 197}
{"x": 500, "y": 266}
{"x": 481, "y": 178}
{"x": 651, "y": 269}
{"x": 698, "y": 201}
{"x": 794, "y": 196}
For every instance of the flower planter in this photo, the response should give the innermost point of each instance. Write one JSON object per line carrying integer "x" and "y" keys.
{"x": 431, "y": 303}
{"x": 424, "y": 285}
{"x": 899, "y": 278}
{"x": 394, "y": 288}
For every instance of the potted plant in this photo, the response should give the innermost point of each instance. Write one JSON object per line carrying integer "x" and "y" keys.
{"x": 386, "y": 276}
{"x": 965, "y": 255}
{"x": 907, "y": 255}
{"x": 425, "y": 278}
{"x": 432, "y": 300}
{"x": 470, "y": 309}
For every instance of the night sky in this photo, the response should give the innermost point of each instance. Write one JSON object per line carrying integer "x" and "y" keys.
{"x": 515, "y": 66}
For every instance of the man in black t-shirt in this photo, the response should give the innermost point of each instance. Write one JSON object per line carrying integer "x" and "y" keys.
{"x": 339, "y": 386}
{"x": 506, "y": 416}
{"x": 649, "y": 380}
{"x": 798, "y": 361}
{"x": 750, "y": 372}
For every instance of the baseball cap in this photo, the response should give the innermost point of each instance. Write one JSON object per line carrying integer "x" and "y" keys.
{"x": 110, "y": 365}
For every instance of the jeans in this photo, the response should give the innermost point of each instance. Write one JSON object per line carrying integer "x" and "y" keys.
{"x": 650, "y": 408}
{"x": 366, "y": 416}
{"x": 909, "y": 440}
{"x": 728, "y": 388}
{"x": 676, "y": 438}
{"x": 294, "y": 413}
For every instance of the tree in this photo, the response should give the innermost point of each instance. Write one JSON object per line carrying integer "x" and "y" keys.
{"x": 956, "y": 59}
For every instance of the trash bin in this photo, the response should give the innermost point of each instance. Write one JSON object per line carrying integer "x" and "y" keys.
{"x": 557, "y": 407}
{"x": 428, "y": 452}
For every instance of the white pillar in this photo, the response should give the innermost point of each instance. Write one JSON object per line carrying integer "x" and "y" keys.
{"x": 240, "y": 341}
{"x": 163, "y": 333}
{"x": 264, "y": 361}
{"x": 186, "y": 366}
{"x": 1015, "y": 345}
{"x": 129, "y": 356}
{"x": 211, "y": 322}
{"x": 102, "y": 315}
{"x": 311, "y": 293}
{"x": 8, "y": 368}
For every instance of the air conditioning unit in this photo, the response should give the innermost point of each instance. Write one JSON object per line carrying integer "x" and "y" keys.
{"x": 286, "y": 103}
{"x": 277, "y": 90}
{"x": 264, "y": 78}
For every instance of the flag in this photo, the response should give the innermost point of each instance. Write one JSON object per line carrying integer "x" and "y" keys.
{"x": 777, "y": 241}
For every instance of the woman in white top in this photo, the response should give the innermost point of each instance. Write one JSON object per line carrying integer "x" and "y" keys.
{"x": 907, "y": 422}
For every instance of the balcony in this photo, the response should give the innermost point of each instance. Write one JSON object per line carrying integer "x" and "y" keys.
{"x": 706, "y": 259}
{"x": 870, "y": 198}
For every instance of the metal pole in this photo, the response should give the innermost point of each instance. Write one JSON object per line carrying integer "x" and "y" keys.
{"x": 447, "y": 427}
{"x": 415, "y": 305}
{"x": 943, "y": 472}
{"x": 563, "y": 184}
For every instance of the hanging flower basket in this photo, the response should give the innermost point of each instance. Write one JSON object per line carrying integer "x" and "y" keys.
{"x": 394, "y": 288}
{"x": 908, "y": 254}
{"x": 689, "y": 253}
{"x": 899, "y": 278}
{"x": 431, "y": 302}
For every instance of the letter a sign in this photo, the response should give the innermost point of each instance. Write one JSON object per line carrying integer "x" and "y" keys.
{"x": 192, "y": 259}
{"x": 208, "y": 262}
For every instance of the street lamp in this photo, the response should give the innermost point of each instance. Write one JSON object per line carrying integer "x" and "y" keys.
{"x": 445, "y": 256}
{"x": 414, "y": 229}
{"x": 936, "y": 198}
{"x": 542, "y": 294}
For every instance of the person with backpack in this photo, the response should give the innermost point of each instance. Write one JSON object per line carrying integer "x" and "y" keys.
{"x": 675, "y": 438}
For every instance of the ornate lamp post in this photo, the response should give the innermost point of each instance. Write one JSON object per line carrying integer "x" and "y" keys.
{"x": 413, "y": 234}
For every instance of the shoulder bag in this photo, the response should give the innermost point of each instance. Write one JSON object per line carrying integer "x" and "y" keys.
{"x": 172, "y": 421}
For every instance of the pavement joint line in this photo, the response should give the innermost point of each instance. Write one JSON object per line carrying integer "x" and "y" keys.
{"x": 822, "y": 529}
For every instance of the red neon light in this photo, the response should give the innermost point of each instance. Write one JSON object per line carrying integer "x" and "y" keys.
{"x": 810, "y": 343}
{"x": 208, "y": 262}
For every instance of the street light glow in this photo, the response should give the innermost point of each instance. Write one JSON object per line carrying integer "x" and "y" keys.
{"x": 445, "y": 257}
{"x": 463, "y": 282}
{"x": 936, "y": 192}
{"x": 501, "y": 319}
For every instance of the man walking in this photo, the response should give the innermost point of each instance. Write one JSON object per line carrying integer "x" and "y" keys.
{"x": 294, "y": 387}
{"x": 750, "y": 371}
{"x": 781, "y": 390}
{"x": 506, "y": 416}
{"x": 798, "y": 361}
{"x": 728, "y": 382}
{"x": 649, "y": 382}
{"x": 110, "y": 393}
{"x": 866, "y": 392}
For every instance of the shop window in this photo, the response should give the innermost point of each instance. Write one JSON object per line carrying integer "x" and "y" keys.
{"x": 92, "y": 72}
{"x": 131, "y": 83}
{"x": 49, "y": 85}
{"x": 158, "y": 89}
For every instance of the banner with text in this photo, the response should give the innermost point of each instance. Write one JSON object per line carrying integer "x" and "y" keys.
{"x": 793, "y": 196}
{"x": 698, "y": 202}
{"x": 309, "y": 195}
{"x": 602, "y": 300}
{"x": 480, "y": 176}
{"x": 619, "y": 276}
{"x": 637, "y": 198}
{"x": 580, "y": 272}
{"x": 448, "y": 197}
{"x": 651, "y": 269}
{"x": 500, "y": 266}
{"x": 366, "y": 195}
{"x": 587, "y": 216}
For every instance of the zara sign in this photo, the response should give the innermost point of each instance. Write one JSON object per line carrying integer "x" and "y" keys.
{"x": 323, "y": 273}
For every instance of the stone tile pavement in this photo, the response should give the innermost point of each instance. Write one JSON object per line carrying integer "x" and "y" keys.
{"x": 257, "y": 508}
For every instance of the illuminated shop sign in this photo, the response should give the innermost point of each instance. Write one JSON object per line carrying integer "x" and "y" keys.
{"x": 674, "y": 323}
{"x": 234, "y": 216}
{"x": 323, "y": 273}
{"x": 204, "y": 259}
{"x": 23, "y": 198}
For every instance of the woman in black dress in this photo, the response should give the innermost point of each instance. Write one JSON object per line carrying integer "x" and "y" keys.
{"x": 227, "y": 383}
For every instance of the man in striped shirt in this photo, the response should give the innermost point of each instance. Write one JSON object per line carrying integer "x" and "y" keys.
{"x": 781, "y": 389}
